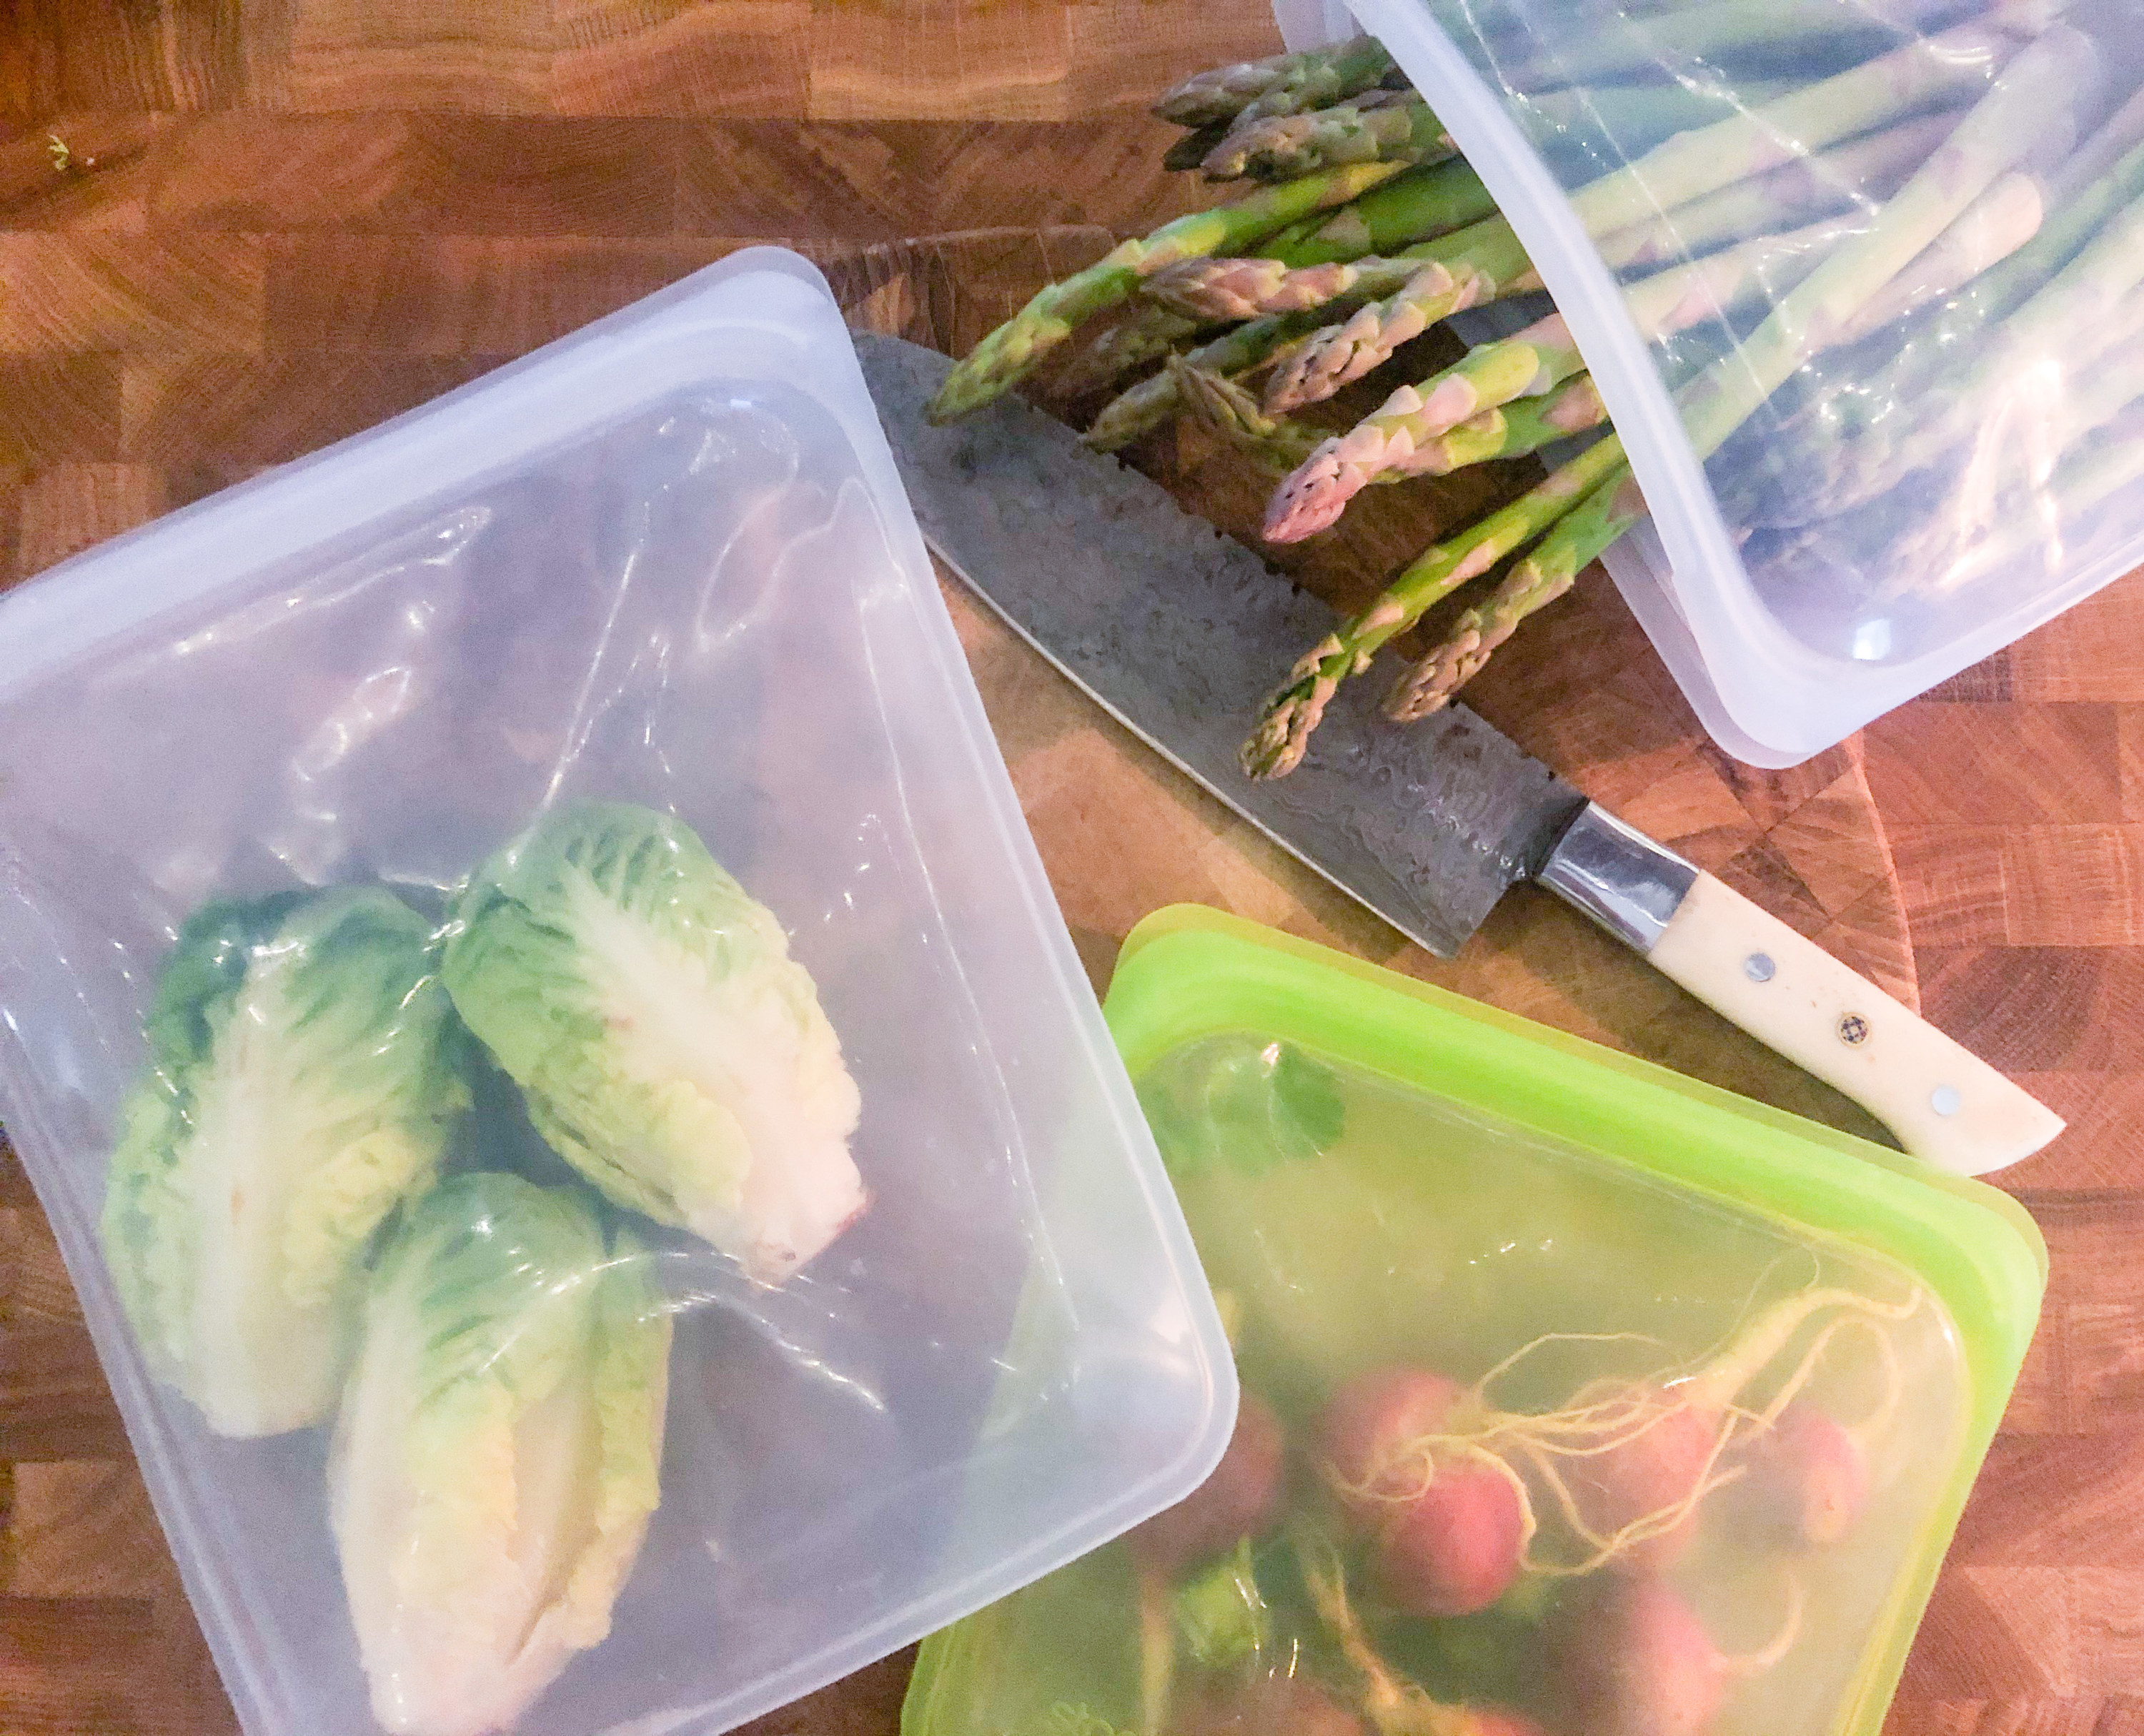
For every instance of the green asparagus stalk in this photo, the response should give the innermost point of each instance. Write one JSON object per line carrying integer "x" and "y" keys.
{"x": 1145, "y": 332}
{"x": 1247, "y": 289}
{"x": 1315, "y": 493}
{"x": 2082, "y": 315}
{"x": 1403, "y": 431}
{"x": 1412, "y": 207}
{"x": 2090, "y": 473}
{"x": 1705, "y": 32}
{"x": 1995, "y": 226}
{"x": 1153, "y": 401}
{"x": 1224, "y": 408}
{"x": 2118, "y": 137}
{"x": 1284, "y": 84}
{"x": 1892, "y": 87}
{"x": 1660, "y": 305}
{"x": 1283, "y": 145}
{"x": 1775, "y": 487}
{"x": 1639, "y": 116}
{"x": 1999, "y": 130}
{"x": 1571, "y": 546}
{"x": 1478, "y": 266}
{"x": 1859, "y": 174}
{"x": 1228, "y": 410}
{"x": 1010, "y": 352}
{"x": 1276, "y": 747}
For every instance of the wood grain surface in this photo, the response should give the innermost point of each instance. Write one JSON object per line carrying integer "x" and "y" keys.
{"x": 286, "y": 219}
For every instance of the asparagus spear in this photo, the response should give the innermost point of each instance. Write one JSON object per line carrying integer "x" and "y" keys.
{"x": 1145, "y": 332}
{"x": 1999, "y": 130}
{"x": 1480, "y": 264}
{"x": 1245, "y": 289}
{"x": 1224, "y": 408}
{"x": 1277, "y": 746}
{"x": 1283, "y": 84}
{"x": 1153, "y": 401}
{"x": 2090, "y": 473}
{"x": 2118, "y": 137}
{"x": 1283, "y": 145}
{"x": 1705, "y": 32}
{"x": 1315, "y": 493}
{"x": 1571, "y": 545}
{"x": 1219, "y": 405}
{"x": 1242, "y": 289}
{"x": 2081, "y": 314}
{"x": 1861, "y": 173}
{"x": 1637, "y": 115}
{"x": 1991, "y": 229}
{"x": 1891, "y": 88}
{"x": 1774, "y": 488}
{"x": 1411, "y": 207}
{"x": 1005, "y": 354}
{"x": 1660, "y": 305}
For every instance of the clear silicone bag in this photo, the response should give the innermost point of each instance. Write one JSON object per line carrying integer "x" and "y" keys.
{"x": 1902, "y": 422}
{"x": 665, "y": 563}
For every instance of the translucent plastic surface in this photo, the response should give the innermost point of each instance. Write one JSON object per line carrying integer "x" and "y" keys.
{"x": 666, "y": 564}
{"x": 1861, "y": 285}
{"x": 1660, "y": 1359}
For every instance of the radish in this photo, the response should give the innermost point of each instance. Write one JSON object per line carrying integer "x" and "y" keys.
{"x": 1645, "y": 1486}
{"x": 1455, "y": 1547}
{"x": 1805, "y": 1480}
{"x": 1635, "y": 1660}
{"x": 1240, "y": 1498}
{"x": 1447, "y": 1529}
{"x": 1371, "y": 1428}
{"x": 1638, "y": 1661}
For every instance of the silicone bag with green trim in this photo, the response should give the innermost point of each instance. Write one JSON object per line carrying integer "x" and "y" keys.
{"x": 1381, "y": 1176}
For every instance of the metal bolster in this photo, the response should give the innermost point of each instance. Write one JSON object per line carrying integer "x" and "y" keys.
{"x": 1618, "y": 876}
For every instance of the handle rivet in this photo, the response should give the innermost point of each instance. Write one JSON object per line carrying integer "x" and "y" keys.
{"x": 1758, "y": 967}
{"x": 1944, "y": 1100}
{"x": 1853, "y": 1030}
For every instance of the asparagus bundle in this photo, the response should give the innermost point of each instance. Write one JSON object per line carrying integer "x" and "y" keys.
{"x": 1897, "y": 210}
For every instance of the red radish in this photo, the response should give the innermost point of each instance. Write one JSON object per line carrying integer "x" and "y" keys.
{"x": 1369, "y": 1427}
{"x": 1270, "y": 1706}
{"x": 1240, "y": 1498}
{"x": 1652, "y": 1471}
{"x": 1447, "y": 1527}
{"x": 1805, "y": 1480}
{"x": 1454, "y": 1548}
{"x": 1635, "y": 1660}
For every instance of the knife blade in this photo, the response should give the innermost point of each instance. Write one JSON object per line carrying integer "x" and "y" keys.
{"x": 1180, "y": 633}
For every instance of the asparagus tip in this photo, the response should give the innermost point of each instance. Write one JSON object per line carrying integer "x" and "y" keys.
{"x": 1312, "y": 497}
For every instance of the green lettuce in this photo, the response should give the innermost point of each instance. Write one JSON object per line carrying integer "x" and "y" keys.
{"x": 497, "y": 1456}
{"x": 666, "y": 1045}
{"x": 300, "y": 1082}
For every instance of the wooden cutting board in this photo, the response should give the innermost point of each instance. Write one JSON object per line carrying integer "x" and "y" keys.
{"x": 150, "y": 366}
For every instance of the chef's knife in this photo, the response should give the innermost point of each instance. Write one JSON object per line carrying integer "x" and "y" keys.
{"x": 1180, "y": 633}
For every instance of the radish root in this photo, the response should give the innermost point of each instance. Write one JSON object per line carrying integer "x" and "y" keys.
{"x": 1395, "y": 1706}
{"x": 1157, "y": 1648}
{"x": 1535, "y": 1452}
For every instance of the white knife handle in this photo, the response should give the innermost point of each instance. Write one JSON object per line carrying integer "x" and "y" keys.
{"x": 1947, "y": 1107}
